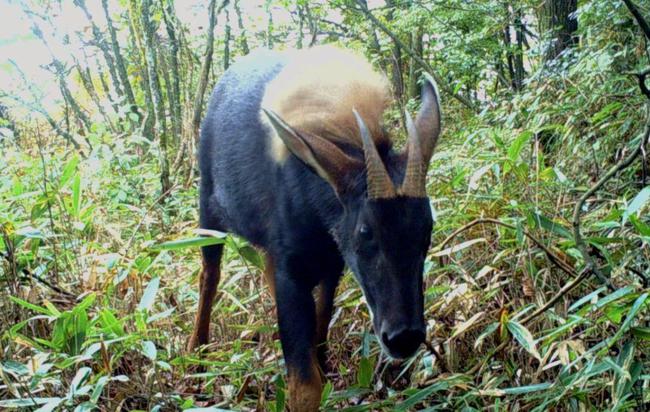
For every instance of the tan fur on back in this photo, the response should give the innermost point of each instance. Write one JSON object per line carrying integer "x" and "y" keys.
{"x": 316, "y": 91}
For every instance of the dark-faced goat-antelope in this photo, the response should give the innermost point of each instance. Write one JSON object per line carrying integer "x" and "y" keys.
{"x": 293, "y": 158}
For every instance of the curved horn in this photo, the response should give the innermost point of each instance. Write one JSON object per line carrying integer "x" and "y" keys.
{"x": 427, "y": 121}
{"x": 414, "y": 184}
{"x": 379, "y": 184}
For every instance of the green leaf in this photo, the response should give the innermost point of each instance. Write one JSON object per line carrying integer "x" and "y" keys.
{"x": 518, "y": 144}
{"x": 68, "y": 170}
{"x": 149, "y": 350}
{"x": 149, "y": 294}
{"x": 190, "y": 242}
{"x": 110, "y": 322}
{"x": 550, "y": 225}
{"x": 587, "y": 298}
{"x": 637, "y": 203}
{"x": 636, "y": 307}
{"x": 51, "y": 405}
{"x": 520, "y": 390}
{"x": 25, "y": 402}
{"x": 524, "y": 337}
{"x": 31, "y": 306}
{"x": 640, "y": 226}
{"x": 251, "y": 256}
{"x": 364, "y": 376}
{"x": 618, "y": 294}
{"x": 421, "y": 395}
{"x": 490, "y": 329}
{"x": 641, "y": 332}
{"x": 327, "y": 391}
{"x": 279, "y": 393}
{"x": 81, "y": 376}
{"x": 76, "y": 196}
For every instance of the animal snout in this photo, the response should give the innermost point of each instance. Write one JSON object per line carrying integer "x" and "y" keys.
{"x": 402, "y": 343}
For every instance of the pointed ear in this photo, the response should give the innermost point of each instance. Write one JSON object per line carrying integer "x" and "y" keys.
{"x": 323, "y": 156}
{"x": 427, "y": 121}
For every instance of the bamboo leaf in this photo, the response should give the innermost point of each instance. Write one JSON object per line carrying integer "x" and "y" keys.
{"x": 149, "y": 294}
{"x": 189, "y": 243}
{"x": 457, "y": 248}
{"x": 524, "y": 337}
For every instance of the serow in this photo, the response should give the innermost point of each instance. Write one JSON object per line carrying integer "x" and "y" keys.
{"x": 294, "y": 158}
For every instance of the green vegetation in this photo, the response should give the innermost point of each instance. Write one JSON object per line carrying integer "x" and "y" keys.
{"x": 537, "y": 284}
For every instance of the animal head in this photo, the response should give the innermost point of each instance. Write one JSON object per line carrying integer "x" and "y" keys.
{"x": 385, "y": 228}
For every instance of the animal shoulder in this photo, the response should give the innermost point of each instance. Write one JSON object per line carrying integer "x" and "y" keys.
{"x": 318, "y": 88}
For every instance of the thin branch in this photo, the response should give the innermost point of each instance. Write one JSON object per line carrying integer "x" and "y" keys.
{"x": 425, "y": 66}
{"x": 577, "y": 211}
{"x": 566, "y": 289}
{"x": 551, "y": 256}
{"x": 638, "y": 17}
{"x": 642, "y": 78}
{"x": 27, "y": 274}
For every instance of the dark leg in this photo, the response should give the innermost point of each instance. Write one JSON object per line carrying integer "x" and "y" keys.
{"x": 208, "y": 289}
{"x": 324, "y": 306}
{"x": 296, "y": 318}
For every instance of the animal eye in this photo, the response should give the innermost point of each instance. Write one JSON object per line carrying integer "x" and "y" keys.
{"x": 365, "y": 232}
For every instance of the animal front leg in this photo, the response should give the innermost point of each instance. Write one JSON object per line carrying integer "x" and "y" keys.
{"x": 209, "y": 281}
{"x": 324, "y": 306}
{"x": 297, "y": 321}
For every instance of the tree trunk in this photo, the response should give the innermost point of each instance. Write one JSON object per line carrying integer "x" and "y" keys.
{"x": 105, "y": 88}
{"x": 243, "y": 42}
{"x": 87, "y": 81}
{"x": 101, "y": 43}
{"x": 226, "y": 43}
{"x": 520, "y": 71}
{"x": 139, "y": 49}
{"x": 557, "y": 18}
{"x": 301, "y": 26}
{"x": 119, "y": 61}
{"x": 171, "y": 24}
{"x": 514, "y": 51}
{"x": 205, "y": 67}
{"x": 397, "y": 77}
{"x": 156, "y": 93}
{"x": 414, "y": 68}
{"x": 269, "y": 26}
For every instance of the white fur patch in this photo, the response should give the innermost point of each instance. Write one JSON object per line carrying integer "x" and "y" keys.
{"x": 276, "y": 147}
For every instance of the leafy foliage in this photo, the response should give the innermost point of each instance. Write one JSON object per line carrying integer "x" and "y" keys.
{"x": 100, "y": 254}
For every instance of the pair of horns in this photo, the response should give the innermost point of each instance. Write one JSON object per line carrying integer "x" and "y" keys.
{"x": 422, "y": 138}
{"x": 331, "y": 163}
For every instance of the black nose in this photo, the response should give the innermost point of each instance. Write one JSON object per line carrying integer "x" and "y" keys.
{"x": 402, "y": 343}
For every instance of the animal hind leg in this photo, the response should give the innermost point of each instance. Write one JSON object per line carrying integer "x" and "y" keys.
{"x": 208, "y": 289}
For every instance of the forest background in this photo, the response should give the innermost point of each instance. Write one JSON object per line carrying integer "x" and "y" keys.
{"x": 537, "y": 282}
